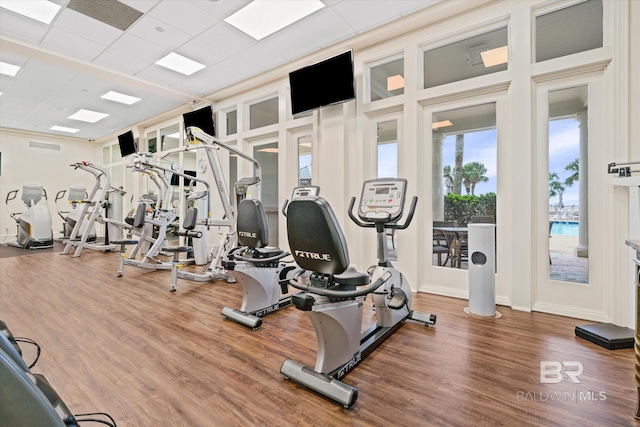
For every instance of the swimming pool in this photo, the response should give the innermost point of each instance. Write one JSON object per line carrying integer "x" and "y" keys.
{"x": 566, "y": 228}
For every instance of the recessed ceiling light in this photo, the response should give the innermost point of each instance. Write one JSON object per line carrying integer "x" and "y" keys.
{"x": 262, "y": 18}
{"x": 179, "y": 63}
{"x": 268, "y": 150}
{"x": 120, "y": 97}
{"x": 395, "y": 82}
{"x": 88, "y": 116}
{"x": 64, "y": 129}
{"x": 43, "y": 11}
{"x": 9, "y": 69}
{"x": 497, "y": 56}
{"x": 442, "y": 124}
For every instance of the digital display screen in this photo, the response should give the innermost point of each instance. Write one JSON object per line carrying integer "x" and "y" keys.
{"x": 382, "y": 190}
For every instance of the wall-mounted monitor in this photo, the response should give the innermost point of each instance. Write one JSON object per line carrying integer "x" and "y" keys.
{"x": 202, "y": 118}
{"x": 127, "y": 143}
{"x": 328, "y": 82}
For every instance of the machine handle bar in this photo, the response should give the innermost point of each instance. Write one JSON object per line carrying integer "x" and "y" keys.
{"x": 412, "y": 211}
{"x": 340, "y": 294}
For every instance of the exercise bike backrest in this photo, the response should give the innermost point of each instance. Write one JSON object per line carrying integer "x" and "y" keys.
{"x": 315, "y": 237}
{"x": 253, "y": 230}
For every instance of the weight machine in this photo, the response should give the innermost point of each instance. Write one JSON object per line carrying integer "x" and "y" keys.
{"x": 102, "y": 196}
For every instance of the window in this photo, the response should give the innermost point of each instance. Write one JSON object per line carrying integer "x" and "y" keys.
{"x": 568, "y": 207}
{"x": 387, "y": 80}
{"x": 232, "y": 122}
{"x": 464, "y": 177}
{"x": 476, "y": 56}
{"x": 170, "y": 137}
{"x": 574, "y": 29}
{"x": 263, "y": 113}
{"x": 387, "y": 154}
{"x": 304, "y": 160}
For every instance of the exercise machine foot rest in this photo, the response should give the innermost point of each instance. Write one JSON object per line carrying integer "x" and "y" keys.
{"x": 427, "y": 319}
{"x": 246, "y": 319}
{"x": 334, "y": 389}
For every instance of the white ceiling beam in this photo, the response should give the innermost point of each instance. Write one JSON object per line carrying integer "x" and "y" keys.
{"x": 29, "y": 50}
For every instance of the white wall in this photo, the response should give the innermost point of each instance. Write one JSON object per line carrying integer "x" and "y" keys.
{"x": 50, "y": 168}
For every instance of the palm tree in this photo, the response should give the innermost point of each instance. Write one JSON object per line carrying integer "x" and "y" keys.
{"x": 457, "y": 170}
{"x": 574, "y": 168}
{"x": 556, "y": 188}
{"x": 448, "y": 178}
{"x": 473, "y": 173}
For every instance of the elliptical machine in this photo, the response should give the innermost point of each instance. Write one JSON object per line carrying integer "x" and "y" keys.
{"x": 260, "y": 269}
{"x": 34, "y": 224}
{"x": 333, "y": 299}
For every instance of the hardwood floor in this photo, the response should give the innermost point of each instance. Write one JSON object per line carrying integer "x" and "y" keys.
{"x": 148, "y": 357}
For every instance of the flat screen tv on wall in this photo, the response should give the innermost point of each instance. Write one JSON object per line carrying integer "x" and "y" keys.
{"x": 202, "y": 118}
{"x": 328, "y": 82}
{"x": 127, "y": 143}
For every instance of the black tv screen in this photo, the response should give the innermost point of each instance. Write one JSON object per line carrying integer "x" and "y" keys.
{"x": 202, "y": 118}
{"x": 328, "y": 82}
{"x": 127, "y": 143}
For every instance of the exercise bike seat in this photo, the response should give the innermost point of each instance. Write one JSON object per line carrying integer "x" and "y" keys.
{"x": 352, "y": 277}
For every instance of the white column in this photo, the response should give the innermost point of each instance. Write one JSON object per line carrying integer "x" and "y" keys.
{"x": 582, "y": 250}
{"x": 437, "y": 179}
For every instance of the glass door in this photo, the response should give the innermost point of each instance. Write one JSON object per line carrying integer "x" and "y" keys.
{"x": 267, "y": 155}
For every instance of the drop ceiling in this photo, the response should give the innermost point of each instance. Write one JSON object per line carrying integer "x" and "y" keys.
{"x": 69, "y": 64}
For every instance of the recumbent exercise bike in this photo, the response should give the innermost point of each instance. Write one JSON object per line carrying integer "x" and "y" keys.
{"x": 335, "y": 293}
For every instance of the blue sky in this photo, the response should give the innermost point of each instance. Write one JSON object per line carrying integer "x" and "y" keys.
{"x": 480, "y": 147}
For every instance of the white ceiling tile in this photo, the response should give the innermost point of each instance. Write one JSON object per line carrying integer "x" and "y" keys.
{"x": 363, "y": 15}
{"x": 22, "y": 27}
{"x": 320, "y": 29}
{"x": 83, "y": 26}
{"x": 200, "y": 52}
{"x": 169, "y": 37}
{"x": 159, "y": 74}
{"x": 195, "y": 20}
{"x": 120, "y": 61}
{"x": 225, "y": 40}
{"x": 143, "y": 6}
{"x": 135, "y": 46}
{"x": 73, "y": 45}
{"x": 220, "y": 9}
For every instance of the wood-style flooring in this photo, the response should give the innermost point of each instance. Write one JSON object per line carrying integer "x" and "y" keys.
{"x": 148, "y": 357}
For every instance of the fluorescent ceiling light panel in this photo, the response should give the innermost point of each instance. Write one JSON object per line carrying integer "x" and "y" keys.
{"x": 495, "y": 56}
{"x": 43, "y": 11}
{"x": 261, "y": 18}
{"x": 442, "y": 124}
{"x": 9, "y": 69}
{"x": 395, "y": 82}
{"x": 120, "y": 97}
{"x": 88, "y": 116}
{"x": 179, "y": 63}
{"x": 64, "y": 129}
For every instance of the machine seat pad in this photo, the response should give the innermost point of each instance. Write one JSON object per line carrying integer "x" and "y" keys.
{"x": 124, "y": 242}
{"x": 177, "y": 248}
{"x": 352, "y": 277}
{"x": 268, "y": 252}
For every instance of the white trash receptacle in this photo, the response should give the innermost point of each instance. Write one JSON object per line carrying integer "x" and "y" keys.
{"x": 482, "y": 270}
